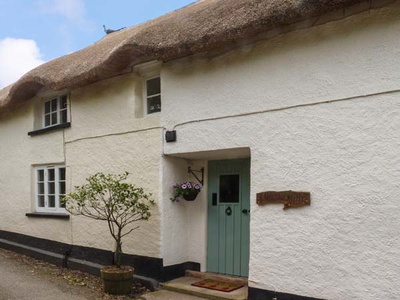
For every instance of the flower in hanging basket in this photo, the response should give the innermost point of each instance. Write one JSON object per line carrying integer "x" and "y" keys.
{"x": 186, "y": 190}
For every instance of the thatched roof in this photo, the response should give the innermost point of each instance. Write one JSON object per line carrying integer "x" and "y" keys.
{"x": 204, "y": 26}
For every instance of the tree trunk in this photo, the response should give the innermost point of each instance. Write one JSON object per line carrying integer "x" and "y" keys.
{"x": 118, "y": 251}
{"x": 117, "y": 255}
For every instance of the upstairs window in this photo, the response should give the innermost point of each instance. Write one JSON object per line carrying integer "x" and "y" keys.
{"x": 56, "y": 111}
{"x": 51, "y": 114}
{"x": 50, "y": 187}
{"x": 153, "y": 95}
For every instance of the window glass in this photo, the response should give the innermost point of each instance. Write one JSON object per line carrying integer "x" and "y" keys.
{"x": 52, "y": 201}
{"x": 51, "y": 187}
{"x": 47, "y": 107}
{"x": 154, "y": 104}
{"x": 41, "y": 201}
{"x": 62, "y": 188}
{"x": 40, "y": 188}
{"x": 153, "y": 86}
{"x": 62, "y": 173}
{"x": 63, "y": 116}
{"x": 54, "y": 105}
{"x": 40, "y": 175}
{"x": 63, "y": 102}
{"x": 47, "y": 120}
{"x": 51, "y": 174}
{"x": 54, "y": 118}
{"x": 229, "y": 188}
{"x": 153, "y": 95}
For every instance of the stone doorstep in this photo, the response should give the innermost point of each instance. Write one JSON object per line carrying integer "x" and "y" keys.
{"x": 184, "y": 285}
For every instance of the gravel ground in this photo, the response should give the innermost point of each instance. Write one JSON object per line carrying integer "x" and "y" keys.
{"x": 23, "y": 277}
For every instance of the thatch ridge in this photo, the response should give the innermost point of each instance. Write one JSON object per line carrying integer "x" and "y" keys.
{"x": 204, "y": 26}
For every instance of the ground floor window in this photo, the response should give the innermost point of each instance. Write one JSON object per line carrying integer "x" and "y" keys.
{"x": 50, "y": 187}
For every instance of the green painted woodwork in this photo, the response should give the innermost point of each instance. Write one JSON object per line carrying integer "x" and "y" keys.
{"x": 228, "y": 235}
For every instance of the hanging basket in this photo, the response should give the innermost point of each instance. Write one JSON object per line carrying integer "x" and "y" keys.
{"x": 190, "y": 197}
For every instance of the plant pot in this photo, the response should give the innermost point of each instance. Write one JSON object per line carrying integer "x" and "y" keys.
{"x": 190, "y": 197}
{"x": 117, "y": 281}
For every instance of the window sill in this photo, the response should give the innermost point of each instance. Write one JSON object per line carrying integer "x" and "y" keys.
{"x": 49, "y": 129}
{"x": 48, "y": 215}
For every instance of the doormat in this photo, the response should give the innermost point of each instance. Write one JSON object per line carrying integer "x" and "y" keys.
{"x": 218, "y": 285}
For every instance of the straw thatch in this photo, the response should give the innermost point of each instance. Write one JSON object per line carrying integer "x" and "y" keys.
{"x": 204, "y": 26}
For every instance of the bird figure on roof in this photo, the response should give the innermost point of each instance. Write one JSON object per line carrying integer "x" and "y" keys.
{"x": 108, "y": 31}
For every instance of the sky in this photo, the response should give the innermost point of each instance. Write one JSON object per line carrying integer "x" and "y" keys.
{"x": 36, "y": 31}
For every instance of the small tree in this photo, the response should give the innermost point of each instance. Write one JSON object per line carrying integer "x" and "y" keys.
{"x": 108, "y": 198}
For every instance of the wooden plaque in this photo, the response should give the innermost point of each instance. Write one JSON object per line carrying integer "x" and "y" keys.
{"x": 288, "y": 198}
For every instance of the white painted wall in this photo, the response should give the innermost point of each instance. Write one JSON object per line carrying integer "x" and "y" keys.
{"x": 344, "y": 246}
{"x": 19, "y": 153}
{"x": 184, "y": 223}
{"x": 106, "y": 135}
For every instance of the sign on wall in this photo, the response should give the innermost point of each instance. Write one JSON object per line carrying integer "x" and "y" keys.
{"x": 289, "y": 199}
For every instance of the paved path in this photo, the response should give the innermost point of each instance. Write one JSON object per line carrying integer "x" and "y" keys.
{"x": 20, "y": 281}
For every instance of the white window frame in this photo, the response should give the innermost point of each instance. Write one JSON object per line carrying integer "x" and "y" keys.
{"x": 46, "y": 170}
{"x": 147, "y": 97}
{"x": 147, "y": 71}
{"x": 58, "y": 111}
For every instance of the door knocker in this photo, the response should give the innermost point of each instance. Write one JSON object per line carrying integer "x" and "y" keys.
{"x": 228, "y": 211}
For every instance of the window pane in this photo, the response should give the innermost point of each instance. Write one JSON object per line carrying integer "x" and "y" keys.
{"x": 41, "y": 201}
{"x": 52, "y": 201}
{"x": 154, "y": 104}
{"x": 47, "y": 107}
{"x": 63, "y": 102}
{"x": 51, "y": 174}
{"x": 153, "y": 86}
{"x": 54, "y": 104}
{"x": 63, "y": 116}
{"x": 53, "y": 118}
{"x": 47, "y": 120}
{"x": 61, "y": 173}
{"x": 229, "y": 188}
{"x": 40, "y": 188}
{"x": 51, "y": 188}
{"x": 40, "y": 175}
{"x": 62, "y": 188}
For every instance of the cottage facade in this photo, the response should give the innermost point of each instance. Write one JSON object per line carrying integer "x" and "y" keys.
{"x": 305, "y": 102}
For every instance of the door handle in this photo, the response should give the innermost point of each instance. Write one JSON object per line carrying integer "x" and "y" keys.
{"x": 245, "y": 211}
{"x": 228, "y": 211}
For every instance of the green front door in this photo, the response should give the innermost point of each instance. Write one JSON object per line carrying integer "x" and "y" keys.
{"x": 228, "y": 217}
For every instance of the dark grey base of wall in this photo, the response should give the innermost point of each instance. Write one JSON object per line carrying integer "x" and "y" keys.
{"x": 91, "y": 259}
{"x": 258, "y": 294}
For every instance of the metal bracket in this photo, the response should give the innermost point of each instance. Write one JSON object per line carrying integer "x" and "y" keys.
{"x": 190, "y": 171}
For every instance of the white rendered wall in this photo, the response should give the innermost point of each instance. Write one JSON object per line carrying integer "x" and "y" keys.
{"x": 19, "y": 153}
{"x": 184, "y": 223}
{"x": 106, "y": 135}
{"x": 346, "y": 153}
